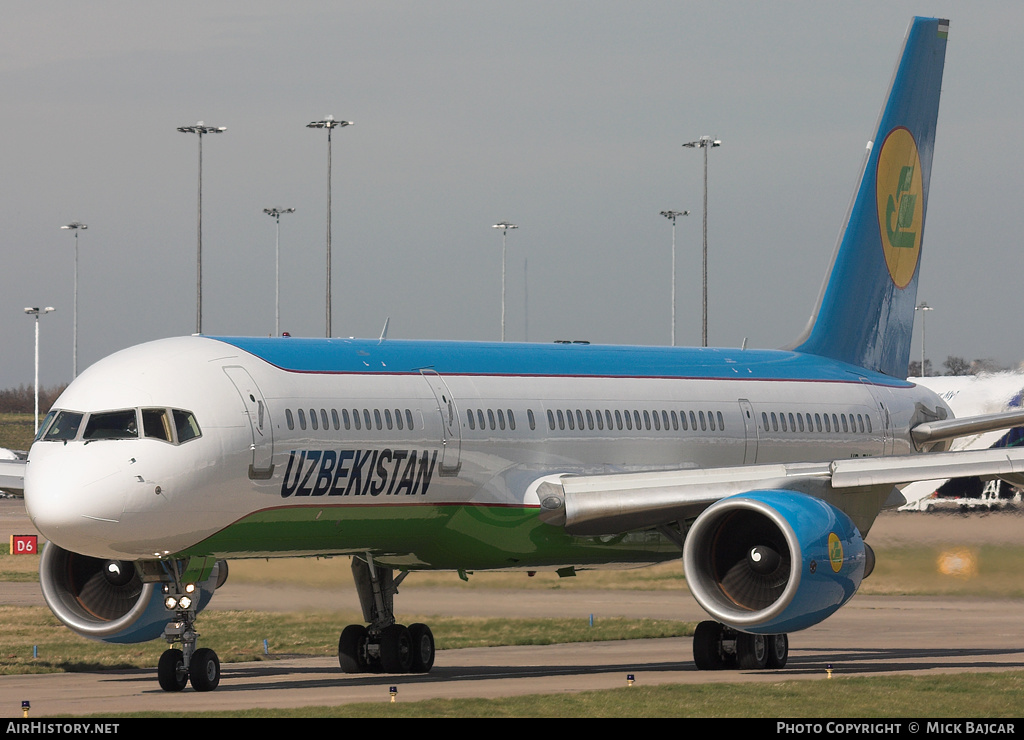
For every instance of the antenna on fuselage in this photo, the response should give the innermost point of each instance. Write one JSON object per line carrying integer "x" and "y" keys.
{"x": 384, "y": 332}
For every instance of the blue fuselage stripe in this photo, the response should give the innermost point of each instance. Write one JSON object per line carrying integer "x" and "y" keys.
{"x": 401, "y": 357}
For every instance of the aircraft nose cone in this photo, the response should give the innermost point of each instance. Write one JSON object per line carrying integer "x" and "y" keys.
{"x": 71, "y": 499}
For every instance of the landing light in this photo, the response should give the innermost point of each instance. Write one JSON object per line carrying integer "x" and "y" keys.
{"x": 176, "y": 602}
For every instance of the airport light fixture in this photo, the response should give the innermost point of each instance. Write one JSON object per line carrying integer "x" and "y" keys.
{"x": 924, "y": 308}
{"x": 276, "y": 213}
{"x": 705, "y": 143}
{"x": 504, "y": 226}
{"x": 37, "y": 312}
{"x": 672, "y": 216}
{"x": 329, "y": 123}
{"x": 200, "y": 129}
{"x": 75, "y": 226}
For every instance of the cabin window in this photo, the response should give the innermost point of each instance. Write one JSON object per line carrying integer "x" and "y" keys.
{"x": 289, "y": 419}
{"x": 387, "y": 419}
{"x": 531, "y": 419}
{"x": 470, "y": 419}
{"x": 408, "y": 419}
{"x": 398, "y": 419}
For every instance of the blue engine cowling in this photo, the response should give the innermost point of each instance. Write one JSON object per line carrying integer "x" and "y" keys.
{"x": 106, "y": 599}
{"x": 770, "y": 562}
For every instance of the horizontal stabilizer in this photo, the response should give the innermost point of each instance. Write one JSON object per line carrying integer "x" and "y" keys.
{"x": 931, "y": 432}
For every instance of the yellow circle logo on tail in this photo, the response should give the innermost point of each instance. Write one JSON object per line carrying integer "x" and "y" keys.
{"x": 900, "y": 201}
{"x": 835, "y": 552}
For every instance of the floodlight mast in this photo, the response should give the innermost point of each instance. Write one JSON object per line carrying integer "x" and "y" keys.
{"x": 200, "y": 129}
{"x": 672, "y": 216}
{"x": 504, "y": 226}
{"x": 36, "y": 313}
{"x": 75, "y": 226}
{"x": 705, "y": 143}
{"x": 329, "y": 123}
{"x": 924, "y": 308}
{"x": 275, "y": 213}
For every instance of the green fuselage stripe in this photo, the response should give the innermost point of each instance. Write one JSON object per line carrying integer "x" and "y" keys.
{"x": 428, "y": 536}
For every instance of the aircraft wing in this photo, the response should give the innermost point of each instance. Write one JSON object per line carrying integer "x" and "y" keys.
{"x": 12, "y": 476}
{"x": 619, "y": 502}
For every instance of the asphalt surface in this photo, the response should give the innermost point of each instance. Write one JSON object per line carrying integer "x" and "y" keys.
{"x": 870, "y": 636}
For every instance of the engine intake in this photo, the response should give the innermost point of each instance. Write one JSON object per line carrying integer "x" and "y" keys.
{"x": 107, "y": 599}
{"x": 769, "y": 562}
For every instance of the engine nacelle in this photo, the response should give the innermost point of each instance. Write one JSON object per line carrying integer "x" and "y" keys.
{"x": 770, "y": 562}
{"x": 106, "y": 599}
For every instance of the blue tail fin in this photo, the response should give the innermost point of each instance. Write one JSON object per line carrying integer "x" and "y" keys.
{"x": 865, "y": 313}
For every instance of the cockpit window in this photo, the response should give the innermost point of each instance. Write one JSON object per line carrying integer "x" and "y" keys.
{"x": 64, "y": 426}
{"x": 112, "y": 425}
{"x": 174, "y": 426}
{"x": 156, "y": 424}
{"x": 186, "y": 425}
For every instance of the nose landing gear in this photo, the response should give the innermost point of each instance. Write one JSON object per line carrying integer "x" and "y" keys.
{"x": 177, "y": 668}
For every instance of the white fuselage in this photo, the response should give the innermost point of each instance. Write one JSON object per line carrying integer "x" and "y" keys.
{"x": 293, "y": 444}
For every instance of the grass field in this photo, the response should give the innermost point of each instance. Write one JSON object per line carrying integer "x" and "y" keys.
{"x": 17, "y": 430}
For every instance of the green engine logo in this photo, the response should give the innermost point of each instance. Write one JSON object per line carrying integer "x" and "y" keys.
{"x": 835, "y": 551}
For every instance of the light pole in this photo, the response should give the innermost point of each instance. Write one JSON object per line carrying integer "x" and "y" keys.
{"x": 75, "y": 226}
{"x": 200, "y": 129}
{"x": 924, "y": 308}
{"x": 705, "y": 143}
{"x": 275, "y": 213}
{"x": 504, "y": 226}
{"x": 330, "y": 124}
{"x": 36, "y": 312}
{"x": 672, "y": 216}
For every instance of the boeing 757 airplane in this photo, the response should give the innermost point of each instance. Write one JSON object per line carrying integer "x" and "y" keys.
{"x": 763, "y": 470}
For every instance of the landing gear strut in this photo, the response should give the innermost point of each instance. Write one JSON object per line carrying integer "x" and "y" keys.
{"x": 177, "y": 667}
{"x": 384, "y": 646}
{"x": 716, "y": 646}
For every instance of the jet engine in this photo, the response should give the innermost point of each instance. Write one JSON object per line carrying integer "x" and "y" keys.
{"x": 107, "y": 600}
{"x": 772, "y": 562}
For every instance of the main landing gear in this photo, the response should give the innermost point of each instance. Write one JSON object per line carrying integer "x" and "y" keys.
{"x": 716, "y": 646}
{"x": 384, "y": 646}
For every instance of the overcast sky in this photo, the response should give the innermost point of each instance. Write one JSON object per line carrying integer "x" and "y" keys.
{"x": 566, "y": 118}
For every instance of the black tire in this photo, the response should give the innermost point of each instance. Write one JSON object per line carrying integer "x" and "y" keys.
{"x": 707, "y": 646}
{"x": 204, "y": 671}
{"x": 422, "y": 648}
{"x": 778, "y": 650}
{"x": 751, "y": 652}
{"x": 396, "y": 649}
{"x": 352, "y": 649}
{"x": 170, "y": 671}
